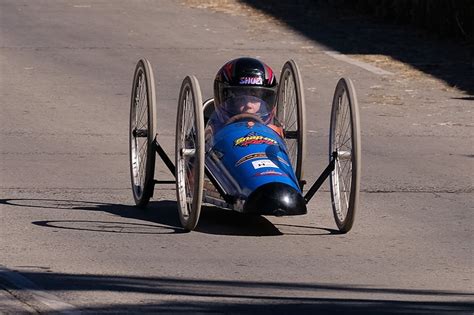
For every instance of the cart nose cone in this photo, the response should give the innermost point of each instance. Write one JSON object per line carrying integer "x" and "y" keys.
{"x": 275, "y": 199}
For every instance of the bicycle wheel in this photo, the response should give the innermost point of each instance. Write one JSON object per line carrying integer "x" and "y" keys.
{"x": 344, "y": 145}
{"x": 189, "y": 153}
{"x": 291, "y": 115}
{"x": 142, "y": 133}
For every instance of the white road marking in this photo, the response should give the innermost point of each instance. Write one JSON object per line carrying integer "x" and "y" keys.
{"x": 337, "y": 55}
{"x": 34, "y": 292}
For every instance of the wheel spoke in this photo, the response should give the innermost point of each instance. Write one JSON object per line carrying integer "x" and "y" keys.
{"x": 142, "y": 171}
{"x": 344, "y": 171}
{"x": 291, "y": 105}
{"x": 142, "y": 147}
{"x": 345, "y": 135}
{"x": 340, "y": 119}
{"x": 143, "y": 118}
{"x": 344, "y": 190}
{"x": 291, "y": 119}
{"x": 142, "y": 99}
{"x": 344, "y": 144}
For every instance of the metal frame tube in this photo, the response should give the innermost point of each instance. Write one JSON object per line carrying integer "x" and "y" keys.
{"x": 164, "y": 157}
{"x": 325, "y": 174}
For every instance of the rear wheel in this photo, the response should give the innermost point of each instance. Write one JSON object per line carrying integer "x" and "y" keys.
{"x": 189, "y": 153}
{"x": 291, "y": 115}
{"x": 142, "y": 133}
{"x": 344, "y": 146}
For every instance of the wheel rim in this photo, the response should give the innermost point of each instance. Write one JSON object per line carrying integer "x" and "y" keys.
{"x": 342, "y": 145}
{"x": 290, "y": 118}
{"x": 186, "y": 153}
{"x": 139, "y": 135}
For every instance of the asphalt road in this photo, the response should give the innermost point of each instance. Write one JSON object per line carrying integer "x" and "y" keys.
{"x": 70, "y": 238}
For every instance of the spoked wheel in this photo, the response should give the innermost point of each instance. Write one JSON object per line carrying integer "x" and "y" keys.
{"x": 142, "y": 133}
{"x": 344, "y": 146}
{"x": 291, "y": 115}
{"x": 189, "y": 153}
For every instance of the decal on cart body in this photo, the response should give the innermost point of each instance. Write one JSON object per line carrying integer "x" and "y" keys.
{"x": 253, "y": 138}
{"x": 274, "y": 173}
{"x": 258, "y": 155}
{"x": 263, "y": 163}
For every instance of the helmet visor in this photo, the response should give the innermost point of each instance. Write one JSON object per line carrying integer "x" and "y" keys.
{"x": 254, "y": 100}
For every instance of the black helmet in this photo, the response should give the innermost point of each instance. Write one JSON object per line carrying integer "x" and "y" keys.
{"x": 245, "y": 80}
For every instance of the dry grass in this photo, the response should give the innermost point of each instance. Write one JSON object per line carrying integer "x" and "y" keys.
{"x": 232, "y": 7}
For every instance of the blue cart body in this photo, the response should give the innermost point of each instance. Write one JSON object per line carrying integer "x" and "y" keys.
{"x": 250, "y": 162}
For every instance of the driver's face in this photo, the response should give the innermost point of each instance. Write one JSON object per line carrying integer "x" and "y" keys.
{"x": 251, "y": 106}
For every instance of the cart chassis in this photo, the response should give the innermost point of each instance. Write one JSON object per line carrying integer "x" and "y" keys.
{"x": 225, "y": 200}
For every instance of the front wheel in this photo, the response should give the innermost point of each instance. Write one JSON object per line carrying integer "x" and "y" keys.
{"x": 189, "y": 153}
{"x": 344, "y": 147}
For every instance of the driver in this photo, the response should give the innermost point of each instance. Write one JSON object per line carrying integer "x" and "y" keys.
{"x": 244, "y": 88}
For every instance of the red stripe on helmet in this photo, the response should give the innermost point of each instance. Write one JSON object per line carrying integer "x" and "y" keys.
{"x": 228, "y": 70}
{"x": 270, "y": 73}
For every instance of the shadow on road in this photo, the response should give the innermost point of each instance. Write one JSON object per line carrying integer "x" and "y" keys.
{"x": 217, "y": 221}
{"x": 162, "y": 213}
{"x": 164, "y": 218}
{"x": 352, "y": 34}
{"x": 225, "y": 296}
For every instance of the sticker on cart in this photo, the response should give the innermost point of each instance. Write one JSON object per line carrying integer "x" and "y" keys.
{"x": 263, "y": 163}
{"x": 270, "y": 173}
